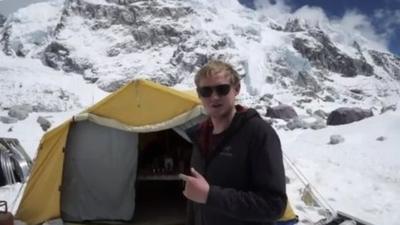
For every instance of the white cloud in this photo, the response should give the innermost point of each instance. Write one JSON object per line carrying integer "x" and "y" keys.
{"x": 313, "y": 15}
{"x": 353, "y": 22}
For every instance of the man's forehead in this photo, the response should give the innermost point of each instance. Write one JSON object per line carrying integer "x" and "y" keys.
{"x": 222, "y": 73}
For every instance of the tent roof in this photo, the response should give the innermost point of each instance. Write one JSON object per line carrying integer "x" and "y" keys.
{"x": 150, "y": 103}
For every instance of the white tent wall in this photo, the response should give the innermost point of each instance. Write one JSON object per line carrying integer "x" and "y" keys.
{"x": 99, "y": 174}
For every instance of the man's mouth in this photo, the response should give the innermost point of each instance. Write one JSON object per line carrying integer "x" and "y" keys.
{"x": 216, "y": 105}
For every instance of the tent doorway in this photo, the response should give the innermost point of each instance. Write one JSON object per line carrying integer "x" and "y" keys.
{"x": 115, "y": 176}
{"x": 159, "y": 200}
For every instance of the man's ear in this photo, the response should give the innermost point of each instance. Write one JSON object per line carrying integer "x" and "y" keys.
{"x": 237, "y": 88}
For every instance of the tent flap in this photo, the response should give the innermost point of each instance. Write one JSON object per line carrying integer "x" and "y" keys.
{"x": 99, "y": 174}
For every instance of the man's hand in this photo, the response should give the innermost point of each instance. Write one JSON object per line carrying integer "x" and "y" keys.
{"x": 196, "y": 187}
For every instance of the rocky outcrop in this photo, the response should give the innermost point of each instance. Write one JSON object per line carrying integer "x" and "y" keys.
{"x": 346, "y": 115}
{"x": 2, "y": 20}
{"x": 307, "y": 81}
{"x": 326, "y": 55}
{"x": 294, "y": 25}
{"x": 57, "y": 56}
{"x": 147, "y": 26}
{"x": 126, "y": 13}
{"x": 390, "y": 63}
{"x": 4, "y": 40}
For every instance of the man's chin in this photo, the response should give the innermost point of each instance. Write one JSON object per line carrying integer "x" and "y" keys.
{"x": 217, "y": 113}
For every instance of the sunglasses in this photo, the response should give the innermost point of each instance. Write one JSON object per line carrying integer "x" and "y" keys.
{"x": 221, "y": 90}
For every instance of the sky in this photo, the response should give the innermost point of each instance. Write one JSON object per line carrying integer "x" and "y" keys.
{"x": 380, "y": 19}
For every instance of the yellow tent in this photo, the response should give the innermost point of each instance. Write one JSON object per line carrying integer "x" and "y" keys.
{"x": 140, "y": 106}
{"x": 80, "y": 155}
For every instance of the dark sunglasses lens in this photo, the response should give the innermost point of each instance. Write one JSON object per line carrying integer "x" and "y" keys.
{"x": 204, "y": 92}
{"x": 223, "y": 89}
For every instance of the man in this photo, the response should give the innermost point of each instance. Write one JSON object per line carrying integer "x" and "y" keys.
{"x": 237, "y": 169}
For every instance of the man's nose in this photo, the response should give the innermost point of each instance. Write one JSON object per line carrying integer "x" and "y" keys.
{"x": 214, "y": 95}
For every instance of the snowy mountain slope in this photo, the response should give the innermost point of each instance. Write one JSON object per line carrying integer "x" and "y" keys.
{"x": 112, "y": 42}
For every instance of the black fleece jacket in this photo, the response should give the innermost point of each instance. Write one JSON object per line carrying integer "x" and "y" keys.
{"x": 245, "y": 172}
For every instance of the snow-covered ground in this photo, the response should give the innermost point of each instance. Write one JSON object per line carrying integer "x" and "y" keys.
{"x": 360, "y": 176}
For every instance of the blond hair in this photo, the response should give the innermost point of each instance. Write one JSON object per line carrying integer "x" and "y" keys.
{"x": 214, "y": 67}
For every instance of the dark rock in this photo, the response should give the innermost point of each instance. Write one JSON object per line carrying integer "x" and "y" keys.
{"x": 358, "y": 48}
{"x": 305, "y": 80}
{"x": 2, "y": 20}
{"x": 275, "y": 26}
{"x": 387, "y": 108}
{"x": 113, "y": 52}
{"x": 266, "y": 97}
{"x": 357, "y": 97}
{"x": 8, "y": 120}
{"x": 356, "y": 91}
{"x": 336, "y": 139}
{"x": 165, "y": 35}
{"x": 57, "y": 57}
{"x": 223, "y": 43}
{"x": 346, "y": 115}
{"x": 303, "y": 100}
{"x": 270, "y": 79}
{"x": 287, "y": 180}
{"x": 44, "y": 123}
{"x": 111, "y": 13}
{"x": 293, "y": 25}
{"x": 381, "y": 138}
{"x": 329, "y": 98}
{"x": 5, "y": 41}
{"x": 284, "y": 112}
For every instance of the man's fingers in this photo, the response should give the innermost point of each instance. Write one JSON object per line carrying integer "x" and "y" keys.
{"x": 184, "y": 177}
{"x": 184, "y": 192}
{"x": 195, "y": 173}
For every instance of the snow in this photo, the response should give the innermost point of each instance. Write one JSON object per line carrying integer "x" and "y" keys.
{"x": 31, "y": 25}
{"x": 360, "y": 176}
